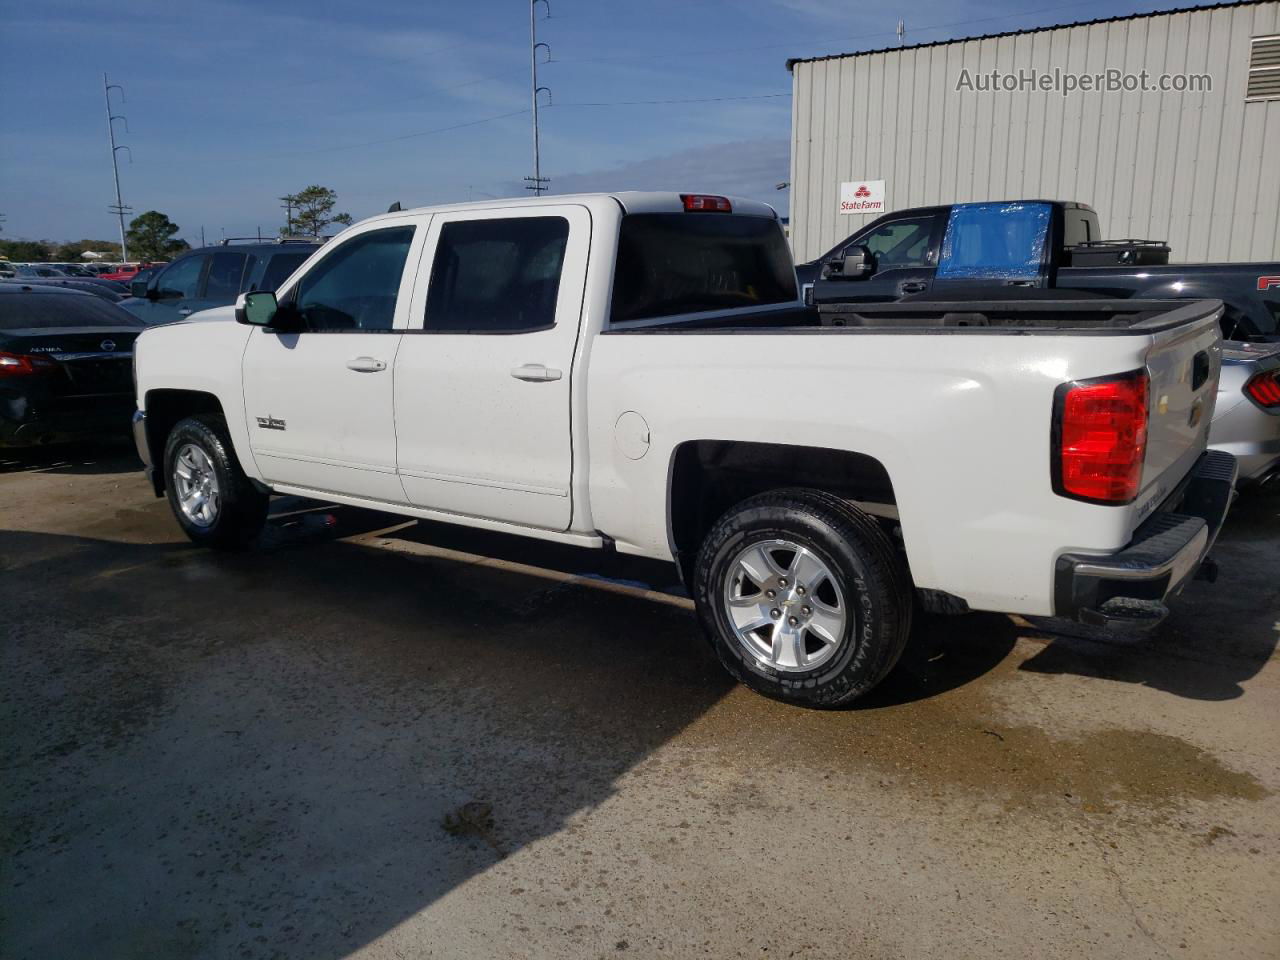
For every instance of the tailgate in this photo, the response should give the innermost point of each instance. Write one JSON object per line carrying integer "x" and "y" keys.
{"x": 1184, "y": 364}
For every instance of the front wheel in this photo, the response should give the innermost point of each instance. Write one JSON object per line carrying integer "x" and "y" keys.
{"x": 803, "y": 597}
{"x": 214, "y": 502}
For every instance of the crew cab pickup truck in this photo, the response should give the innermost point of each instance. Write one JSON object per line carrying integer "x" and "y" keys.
{"x": 957, "y": 249}
{"x": 635, "y": 372}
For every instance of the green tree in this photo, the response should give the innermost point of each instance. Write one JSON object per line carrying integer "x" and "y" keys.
{"x": 151, "y": 237}
{"x": 313, "y": 211}
{"x": 70, "y": 252}
{"x": 23, "y": 251}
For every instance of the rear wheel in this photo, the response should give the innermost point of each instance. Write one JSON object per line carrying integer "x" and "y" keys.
{"x": 215, "y": 503}
{"x": 803, "y": 597}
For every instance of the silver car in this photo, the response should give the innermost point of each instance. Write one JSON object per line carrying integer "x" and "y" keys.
{"x": 1246, "y": 420}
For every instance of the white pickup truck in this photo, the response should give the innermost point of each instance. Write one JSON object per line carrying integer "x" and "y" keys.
{"x": 635, "y": 372}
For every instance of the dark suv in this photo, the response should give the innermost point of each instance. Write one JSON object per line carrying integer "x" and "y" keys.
{"x": 215, "y": 276}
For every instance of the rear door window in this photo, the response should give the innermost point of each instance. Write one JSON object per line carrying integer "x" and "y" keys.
{"x": 223, "y": 279}
{"x": 497, "y": 276}
{"x": 1002, "y": 241}
{"x": 279, "y": 268}
{"x": 673, "y": 263}
{"x": 250, "y": 264}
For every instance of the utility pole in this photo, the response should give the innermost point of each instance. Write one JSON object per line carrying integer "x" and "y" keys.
{"x": 287, "y": 203}
{"x": 537, "y": 183}
{"x": 202, "y": 234}
{"x": 119, "y": 209}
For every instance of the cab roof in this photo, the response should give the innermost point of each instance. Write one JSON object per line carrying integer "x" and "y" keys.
{"x": 631, "y": 201}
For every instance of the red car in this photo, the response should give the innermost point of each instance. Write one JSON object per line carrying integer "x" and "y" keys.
{"x": 126, "y": 271}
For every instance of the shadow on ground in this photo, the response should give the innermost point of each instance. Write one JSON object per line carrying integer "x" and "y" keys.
{"x": 256, "y": 754}
{"x": 114, "y": 456}
{"x": 221, "y": 755}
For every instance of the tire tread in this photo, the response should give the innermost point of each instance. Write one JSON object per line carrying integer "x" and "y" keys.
{"x": 244, "y": 506}
{"x": 891, "y": 583}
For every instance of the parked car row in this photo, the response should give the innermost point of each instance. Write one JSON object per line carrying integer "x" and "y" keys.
{"x": 56, "y": 385}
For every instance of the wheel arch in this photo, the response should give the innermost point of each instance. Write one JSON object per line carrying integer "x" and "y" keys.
{"x": 165, "y": 408}
{"x": 707, "y": 477}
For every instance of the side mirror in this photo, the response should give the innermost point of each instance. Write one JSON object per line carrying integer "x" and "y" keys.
{"x": 256, "y": 309}
{"x": 138, "y": 288}
{"x": 858, "y": 263}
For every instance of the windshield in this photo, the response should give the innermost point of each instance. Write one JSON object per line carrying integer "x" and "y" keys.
{"x": 37, "y": 311}
{"x": 672, "y": 263}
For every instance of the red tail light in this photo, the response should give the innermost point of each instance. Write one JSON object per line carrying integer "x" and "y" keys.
{"x": 23, "y": 365}
{"x": 1265, "y": 389}
{"x": 705, "y": 203}
{"x": 1100, "y": 438}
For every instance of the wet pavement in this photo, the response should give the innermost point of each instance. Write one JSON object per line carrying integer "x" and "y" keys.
{"x": 386, "y": 739}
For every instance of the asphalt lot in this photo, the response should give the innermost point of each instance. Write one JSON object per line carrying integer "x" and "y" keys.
{"x": 283, "y": 753}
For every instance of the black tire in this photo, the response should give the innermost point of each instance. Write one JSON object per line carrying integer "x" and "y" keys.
{"x": 242, "y": 509}
{"x": 860, "y": 556}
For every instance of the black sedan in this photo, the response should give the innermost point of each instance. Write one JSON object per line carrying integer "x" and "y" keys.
{"x": 99, "y": 288}
{"x": 66, "y": 366}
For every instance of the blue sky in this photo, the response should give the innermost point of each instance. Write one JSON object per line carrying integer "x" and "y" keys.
{"x": 232, "y": 104}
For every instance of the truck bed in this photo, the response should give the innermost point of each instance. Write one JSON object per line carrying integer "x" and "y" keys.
{"x": 1021, "y": 316}
{"x": 1031, "y": 315}
{"x": 962, "y": 428}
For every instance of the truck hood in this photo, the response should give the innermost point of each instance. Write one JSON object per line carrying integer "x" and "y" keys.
{"x": 223, "y": 314}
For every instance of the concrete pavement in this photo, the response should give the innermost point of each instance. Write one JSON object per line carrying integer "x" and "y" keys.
{"x": 255, "y": 755}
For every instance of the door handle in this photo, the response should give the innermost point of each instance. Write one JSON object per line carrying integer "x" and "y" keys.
{"x": 1020, "y": 283}
{"x": 366, "y": 365}
{"x": 184, "y": 312}
{"x": 535, "y": 373}
{"x": 913, "y": 286}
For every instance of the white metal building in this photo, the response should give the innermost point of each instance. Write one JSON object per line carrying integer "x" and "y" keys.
{"x": 1198, "y": 168}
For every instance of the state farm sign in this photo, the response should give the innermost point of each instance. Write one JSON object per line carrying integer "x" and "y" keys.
{"x": 862, "y": 196}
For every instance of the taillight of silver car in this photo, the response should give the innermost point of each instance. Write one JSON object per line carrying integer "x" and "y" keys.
{"x": 1264, "y": 389}
{"x": 1100, "y": 438}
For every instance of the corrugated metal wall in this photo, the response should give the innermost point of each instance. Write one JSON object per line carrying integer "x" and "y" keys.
{"x": 1201, "y": 170}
